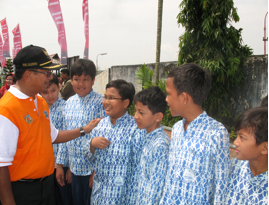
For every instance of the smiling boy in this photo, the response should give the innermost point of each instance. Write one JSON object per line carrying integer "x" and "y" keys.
{"x": 150, "y": 106}
{"x": 79, "y": 110}
{"x": 115, "y": 147}
{"x": 249, "y": 171}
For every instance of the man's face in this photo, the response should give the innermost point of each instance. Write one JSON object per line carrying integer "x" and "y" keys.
{"x": 40, "y": 79}
{"x": 64, "y": 76}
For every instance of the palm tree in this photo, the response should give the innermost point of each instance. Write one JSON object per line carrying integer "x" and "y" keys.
{"x": 158, "y": 44}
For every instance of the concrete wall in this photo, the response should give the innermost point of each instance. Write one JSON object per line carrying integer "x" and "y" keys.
{"x": 255, "y": 86}
{"x": 128, "y": 72}
{"x": 100, "y": 82}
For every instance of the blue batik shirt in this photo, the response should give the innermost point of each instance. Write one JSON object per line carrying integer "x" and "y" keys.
{"x": 244, "y": 188}
{"x": 153, "y": 167}
{"x": 199, "y": 163}
{"x": 113, "y": 164}
{"x": 57, "y": 119}
{"x": 79, "y": 111}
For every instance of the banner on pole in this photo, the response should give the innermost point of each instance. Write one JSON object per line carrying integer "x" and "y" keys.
{"x": 17, "y": 41}
{"x": 85, "y": 13}
{"x": 56, "y": 13}
{"x": 2, "y": 59}
{"x": 6, "y": 52}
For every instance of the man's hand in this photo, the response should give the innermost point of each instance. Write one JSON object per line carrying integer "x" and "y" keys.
{"x": 92, "y": 124}
{"x": 60, "y": 174}
{"x": 68, "y": 176}
{"x": 100, "y": 142}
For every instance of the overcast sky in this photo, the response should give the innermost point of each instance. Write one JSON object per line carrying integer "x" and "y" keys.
{"x": 124, "y": 29}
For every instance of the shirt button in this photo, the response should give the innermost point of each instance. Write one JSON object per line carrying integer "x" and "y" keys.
{"x": 34, "y": 109}
{"x": 31, "y": 99}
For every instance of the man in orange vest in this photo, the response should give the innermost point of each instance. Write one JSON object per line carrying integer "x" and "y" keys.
{"x": 27, "y": 134}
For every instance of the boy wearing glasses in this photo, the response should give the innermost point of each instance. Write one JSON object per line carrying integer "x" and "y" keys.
{"x": 80, "y": 109}
{"x": 115, "y": 147}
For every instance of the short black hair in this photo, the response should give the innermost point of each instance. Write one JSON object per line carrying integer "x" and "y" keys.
{"x": 257, "y": 120}
{"x": 154, "y": 98}
{"x": 192, "y": 79}
{"x": 65, "y": 71}
{"x": 126, "y": 90}
{"x": 19, "y": 73}
{"x": 265, "y": 101}
{"x": 54, "y": 80}
{"x": 83, "y": 66}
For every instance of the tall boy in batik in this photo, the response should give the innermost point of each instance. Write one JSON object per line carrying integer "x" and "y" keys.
{"x": 249, "y": 171}
{"x": 80, "y": 109}
{"x": 56, "y": 108}
{"x": 199, "y": 161}
{"x": 116, "y": 145}
{"x": 150, "y": 106}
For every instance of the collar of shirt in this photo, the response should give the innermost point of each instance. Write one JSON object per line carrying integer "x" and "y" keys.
{"x": 153, "y": 132}
{"x": 57, "y": 102}
{"x": 85, "y": 97}
{"x": 199, "y": 119}
{"x": 17, "y": 93}
{"x": 121, "y": 119}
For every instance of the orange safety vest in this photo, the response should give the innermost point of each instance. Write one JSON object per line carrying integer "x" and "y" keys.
{"x": 34, "y": 156}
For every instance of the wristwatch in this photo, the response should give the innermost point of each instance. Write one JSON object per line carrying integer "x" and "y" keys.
{"x": 82, "y": 132}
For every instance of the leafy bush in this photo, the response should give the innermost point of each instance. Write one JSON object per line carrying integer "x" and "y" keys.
{"x": 144, "y": 78}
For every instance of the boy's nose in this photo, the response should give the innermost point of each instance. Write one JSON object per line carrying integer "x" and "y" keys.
{"x": 236, "y": 142}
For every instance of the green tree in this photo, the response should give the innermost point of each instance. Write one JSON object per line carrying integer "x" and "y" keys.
{"x": 158, "y": 42}
{"x": 211, "y": 41}
{"x": 8, "y": 68}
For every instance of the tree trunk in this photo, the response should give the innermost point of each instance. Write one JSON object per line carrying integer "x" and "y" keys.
{"x": 158, "y": 44}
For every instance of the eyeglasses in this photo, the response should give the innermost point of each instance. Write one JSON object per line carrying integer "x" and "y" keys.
{"x": 111, "y": 98}
{"x": 46, "y": 73}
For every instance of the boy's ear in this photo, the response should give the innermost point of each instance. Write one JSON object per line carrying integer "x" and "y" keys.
{"x": 126, "y": 103}
{"x": 264, "y": 148}
{"x": 159, "y": 116}
{"x": 93, "y": 81}
{"x": 185, "y": 97}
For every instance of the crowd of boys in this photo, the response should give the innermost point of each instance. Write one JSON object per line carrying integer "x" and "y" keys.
{"x": 107, "y": 156}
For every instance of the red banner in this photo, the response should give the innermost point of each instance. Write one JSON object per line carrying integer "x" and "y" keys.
{"x": 5, "y": 38}
{"x": 86, "y": 27}
{"x": 56, "y": 13}
{"x": 17, "y": 41}
{"x": 2, "y": 59}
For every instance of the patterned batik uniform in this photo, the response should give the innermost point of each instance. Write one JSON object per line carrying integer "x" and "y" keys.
{"x": 57, "y": 119}
{"x": 113, "y": 164}
{"x": 199, "y": 163}
{"x": 153, "y": 167}
{"x": 79, "y": 111}
{"x": 244, "y": 188}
